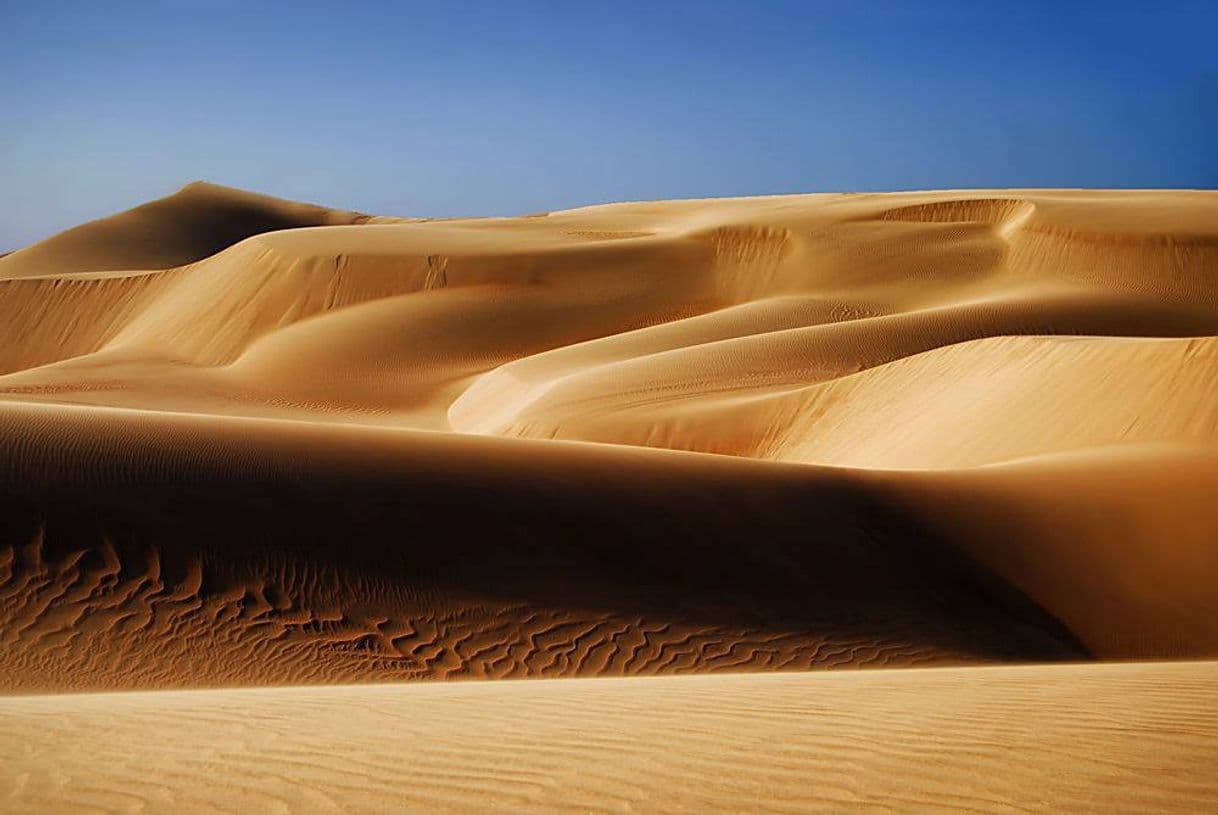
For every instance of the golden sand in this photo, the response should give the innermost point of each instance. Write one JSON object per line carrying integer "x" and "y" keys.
{"x": 249, "y": 442}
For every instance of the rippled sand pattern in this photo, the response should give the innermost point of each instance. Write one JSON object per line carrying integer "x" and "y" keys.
{"x": 1112, "y": 738}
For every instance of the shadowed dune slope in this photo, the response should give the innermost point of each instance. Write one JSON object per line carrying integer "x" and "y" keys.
{"x": 1118, "y": 543}
{"x": 1077, "y": 738}
{"x": 198, "y": 220}
{"x": 255, "y": 442}
{"x": 146, "y": 550}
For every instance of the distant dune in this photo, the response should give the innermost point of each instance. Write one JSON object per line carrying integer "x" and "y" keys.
{"x": 193, "y": 223}
{"x": 250, "y": 442}
{"x": 1085, "y": 738}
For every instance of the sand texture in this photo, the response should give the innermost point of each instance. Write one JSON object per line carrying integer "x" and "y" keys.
{"x": 1094, "y": 738}
{"x": 247, "y": 444}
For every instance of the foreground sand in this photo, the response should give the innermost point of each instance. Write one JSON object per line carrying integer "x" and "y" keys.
{"x": 1087, "y": 738}
{"x": 249, "y": 443}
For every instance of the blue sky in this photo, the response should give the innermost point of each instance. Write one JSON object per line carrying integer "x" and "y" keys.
{"x": 500, "y": 108}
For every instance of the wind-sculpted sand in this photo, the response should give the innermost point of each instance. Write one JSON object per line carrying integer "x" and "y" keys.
{"x": 1073, "y": 738}
{"x": 248, "y": 442}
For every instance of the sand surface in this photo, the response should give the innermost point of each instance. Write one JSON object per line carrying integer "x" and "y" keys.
{"x": 1085, "y": 738}
{"x": 249, "y": 442}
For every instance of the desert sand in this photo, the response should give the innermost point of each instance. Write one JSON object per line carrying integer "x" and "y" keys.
{"x": 259, "y": 456}
{"x": 1078, "y": 738}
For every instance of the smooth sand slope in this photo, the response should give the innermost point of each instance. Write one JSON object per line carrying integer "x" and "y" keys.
{"x": 1097, "y": 738}
{"x": 247, "y": 442}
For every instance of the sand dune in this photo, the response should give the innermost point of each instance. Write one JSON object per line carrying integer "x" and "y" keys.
{"x": 1097, "y": 738}
{"x": 176, "y": 550}
{"x": 249, "y": 442}
{"x": 193, "y": 223}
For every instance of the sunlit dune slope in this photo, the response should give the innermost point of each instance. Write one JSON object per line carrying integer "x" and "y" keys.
{"x": 1086, "y": 738}
{"x": 972, "y": 403}
{"x": 310, "y": 446}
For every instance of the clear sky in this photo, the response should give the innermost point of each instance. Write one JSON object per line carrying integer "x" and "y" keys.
{"x": 463, "y": 108}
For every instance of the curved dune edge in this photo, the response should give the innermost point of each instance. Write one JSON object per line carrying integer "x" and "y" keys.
{"x": 1078, "y": 738}
{"x": 1116, "y": 542}
{"x": 963, "y": 405}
